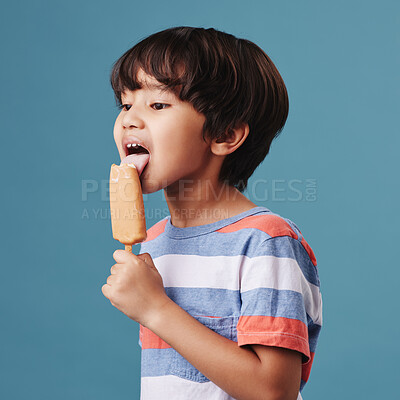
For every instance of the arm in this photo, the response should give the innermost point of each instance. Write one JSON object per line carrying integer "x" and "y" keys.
{"x": 250, "y": 372}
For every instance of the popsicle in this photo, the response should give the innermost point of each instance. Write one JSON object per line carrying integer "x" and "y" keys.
{"x": 126, "y": 205}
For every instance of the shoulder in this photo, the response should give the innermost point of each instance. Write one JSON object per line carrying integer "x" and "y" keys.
{"x": 270, "y": 228}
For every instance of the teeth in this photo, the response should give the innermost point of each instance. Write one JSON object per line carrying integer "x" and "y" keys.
{"x": 129, "y": 145}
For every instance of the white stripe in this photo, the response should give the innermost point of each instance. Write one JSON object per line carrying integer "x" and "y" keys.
{"x": 240, "y": 273}
{"x": 219, "y": 272}
{"x": 172, "y": 387}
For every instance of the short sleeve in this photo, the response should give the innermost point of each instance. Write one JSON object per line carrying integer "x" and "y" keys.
{"x": 281, "y": 302}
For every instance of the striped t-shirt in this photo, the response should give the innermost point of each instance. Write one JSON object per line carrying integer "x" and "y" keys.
{"x": 252, "y": 278}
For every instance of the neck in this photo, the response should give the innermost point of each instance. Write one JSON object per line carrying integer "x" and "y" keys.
{"x": 201, "y": 202}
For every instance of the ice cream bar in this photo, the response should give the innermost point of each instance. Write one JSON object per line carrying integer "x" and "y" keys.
{"x": 126, "y": 205}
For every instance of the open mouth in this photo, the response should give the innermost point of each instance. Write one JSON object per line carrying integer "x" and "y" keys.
{"x": 133, "y": 148}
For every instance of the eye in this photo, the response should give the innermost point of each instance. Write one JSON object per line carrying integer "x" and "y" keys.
{"x": 159, "y": 106}
{"x": 122, "y": 106}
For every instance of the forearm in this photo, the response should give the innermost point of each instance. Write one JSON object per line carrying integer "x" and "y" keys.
{"x": 236, "y": 370}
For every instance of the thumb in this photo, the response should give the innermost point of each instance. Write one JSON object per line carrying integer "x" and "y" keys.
{"x": 146, "y": 257}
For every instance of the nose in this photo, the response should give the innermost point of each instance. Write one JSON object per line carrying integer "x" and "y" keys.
{"x": 132, "y": 119}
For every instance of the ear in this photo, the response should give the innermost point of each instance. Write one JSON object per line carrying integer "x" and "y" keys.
{"x": 233, "y": 139}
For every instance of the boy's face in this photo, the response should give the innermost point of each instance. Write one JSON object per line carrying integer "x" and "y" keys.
{"x": 170, "y": 129}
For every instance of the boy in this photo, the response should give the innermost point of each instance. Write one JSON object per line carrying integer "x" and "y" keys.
{"x": 226, "y": 293}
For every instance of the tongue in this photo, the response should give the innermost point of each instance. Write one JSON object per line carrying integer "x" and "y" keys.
{"x": 140, "y": 161}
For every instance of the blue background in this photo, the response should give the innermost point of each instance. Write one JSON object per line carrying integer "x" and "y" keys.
{"x": 60, "y": 338}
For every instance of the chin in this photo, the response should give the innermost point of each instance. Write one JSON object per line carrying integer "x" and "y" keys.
{"x": 148, "y": 188}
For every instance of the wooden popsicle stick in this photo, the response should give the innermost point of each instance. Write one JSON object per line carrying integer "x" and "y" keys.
{"x": 128, "y": 247}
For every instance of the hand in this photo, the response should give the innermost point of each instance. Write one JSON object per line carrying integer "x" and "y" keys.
{"x": 135, "y": 286}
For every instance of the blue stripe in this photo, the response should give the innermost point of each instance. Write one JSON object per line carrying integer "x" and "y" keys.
{"x": 274, "y": 303}
{"x": 213, "y": 244}
{"x": 157, "y": 362}
{"x": 162, "y": 362}
{"x": 206, "y": 301}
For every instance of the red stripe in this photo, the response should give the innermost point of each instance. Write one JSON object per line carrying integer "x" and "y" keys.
{"x": 150, "y": 340}
{"x": 156, "y": 230}
{"x": 271, "y": 224}
{"x": 273, "y": 331}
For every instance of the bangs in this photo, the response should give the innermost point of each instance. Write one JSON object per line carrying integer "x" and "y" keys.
{"x": 164, "y": 59}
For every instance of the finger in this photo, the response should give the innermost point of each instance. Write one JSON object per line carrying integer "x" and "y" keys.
{"x": 122, "y": 256}
{"x": 119, "y": 256}
{"x": 110, "y": 280}
{"x": 146, "y": 257}
{"x": 115, "y": 268}
{"x": 106, "y": 290}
